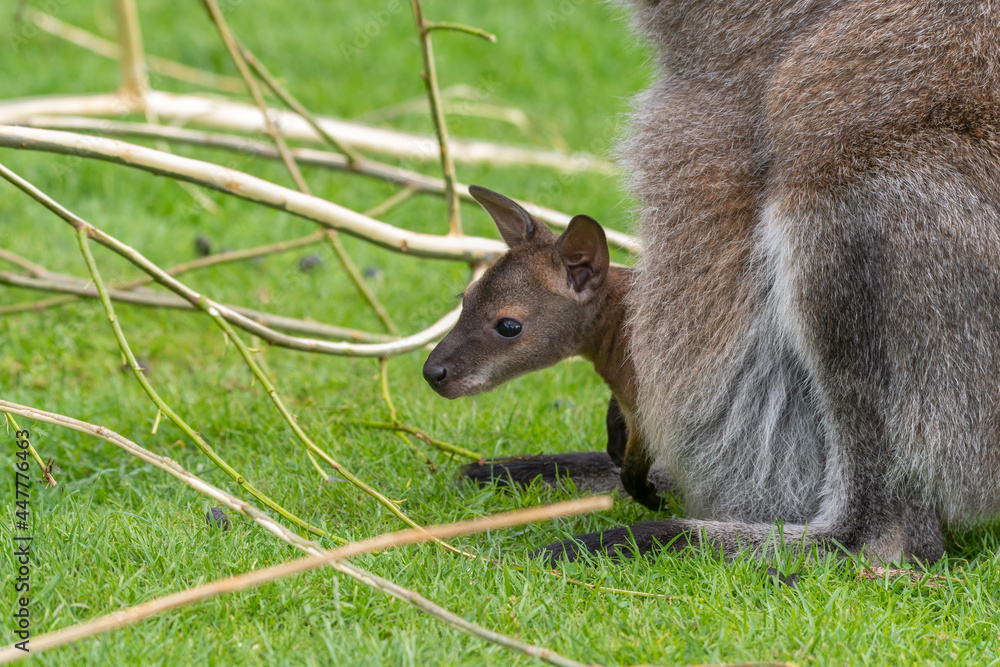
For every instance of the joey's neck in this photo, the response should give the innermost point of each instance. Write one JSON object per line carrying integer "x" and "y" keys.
{"x": 606, "y": 344}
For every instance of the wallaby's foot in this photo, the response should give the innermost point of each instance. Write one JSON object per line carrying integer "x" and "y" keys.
{"x": 647, "y": 496}
{"x": 642, "y": 539}
{"x": 635, "y": 475}
{"x": 594, "y": 471}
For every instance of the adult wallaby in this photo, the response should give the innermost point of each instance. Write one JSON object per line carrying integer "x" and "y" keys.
{"x": 815, "y": 320}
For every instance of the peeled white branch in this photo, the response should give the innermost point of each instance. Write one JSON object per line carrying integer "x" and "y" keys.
{"x": 251, "y": 188}
{"x": 226, "y": 114}
{"x": 306, "y": 156}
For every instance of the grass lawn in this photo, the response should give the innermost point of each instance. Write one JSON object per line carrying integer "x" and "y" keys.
{"x": 116, "y": 533}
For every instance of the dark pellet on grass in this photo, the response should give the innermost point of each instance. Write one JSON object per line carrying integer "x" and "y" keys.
{"x": 202, "y": 246}
{"x": 215, "y": 517}
{"x": 309, "y": 262}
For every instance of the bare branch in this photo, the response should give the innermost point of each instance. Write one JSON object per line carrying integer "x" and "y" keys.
{"x": 307, "y": 156}
{"x": 251, "y": 188}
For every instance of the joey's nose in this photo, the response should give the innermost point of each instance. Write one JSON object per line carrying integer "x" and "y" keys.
{"x": 435, "y": 375}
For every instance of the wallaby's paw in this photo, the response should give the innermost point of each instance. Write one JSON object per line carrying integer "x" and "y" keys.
{"x": 589, "y": 470}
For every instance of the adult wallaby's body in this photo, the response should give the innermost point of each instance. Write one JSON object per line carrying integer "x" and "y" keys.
{"x": 815, "y": 320}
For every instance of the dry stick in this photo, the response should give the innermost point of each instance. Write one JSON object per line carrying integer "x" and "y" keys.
{"x": 400, "y": 346}
{"x": 236, "y": 52}
{"x": 240, "y": 582}
{"x": 135, "y": 80}
{"x": 251, "y": 188}
{"x": 429, "y": 75}
{"x": 307, "y": 156}
{"x": 79, "y": 288}
{"x": 161, "y": 405}
{"x": 108, "y": 49}
{"x": 383, "y": 365}
{"x": 266, "y": 522}
{"x": 49, "y": 479}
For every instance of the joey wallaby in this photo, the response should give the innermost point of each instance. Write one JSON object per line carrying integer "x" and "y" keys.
{"x": 815, "y": 318}
{"x": 548, "y": 299}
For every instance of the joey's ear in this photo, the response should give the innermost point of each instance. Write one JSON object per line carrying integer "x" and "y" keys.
{"x": 583, "y": 248}
{"x": 515, "y": 224}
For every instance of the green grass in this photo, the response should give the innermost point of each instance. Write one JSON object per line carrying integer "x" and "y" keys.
{"x": 116, "y": 533}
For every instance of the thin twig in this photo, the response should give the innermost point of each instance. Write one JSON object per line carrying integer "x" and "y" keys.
{"x": 366, "y": 292}
{"x": 269, "y": 126}
{"x": 460, "y": 27}
{"x": 34, "y": 269}
{"x": 429, "y": 76}
{"x": 161, "y": 405}
{"x": 412, "y": 597}
{"x": 46, "y": 473}
{"x": 131, "y": 57}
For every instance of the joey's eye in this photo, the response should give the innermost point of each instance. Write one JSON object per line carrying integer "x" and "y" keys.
{"x": 508, "y": 328}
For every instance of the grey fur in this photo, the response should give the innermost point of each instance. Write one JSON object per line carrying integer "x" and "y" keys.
{"x": 815, "y": 319}
{"x": 814, "y": 326}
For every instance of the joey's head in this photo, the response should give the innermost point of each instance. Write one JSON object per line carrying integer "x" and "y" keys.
{"x": 536, "y": 305}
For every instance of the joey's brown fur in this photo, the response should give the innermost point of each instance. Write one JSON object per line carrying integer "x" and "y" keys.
{"x": 815, "y": 318}
{"x": 568, "y": 299}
